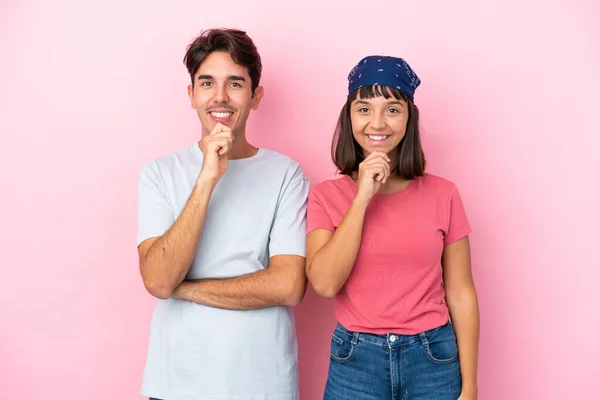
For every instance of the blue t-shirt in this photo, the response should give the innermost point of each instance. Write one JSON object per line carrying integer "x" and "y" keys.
{"x": 257, "y": 210}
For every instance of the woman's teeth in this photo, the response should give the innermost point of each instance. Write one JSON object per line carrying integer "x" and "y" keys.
{"x": 377, "y": 137}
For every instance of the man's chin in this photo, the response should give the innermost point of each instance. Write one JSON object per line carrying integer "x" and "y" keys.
{"x": 209, "y": 124}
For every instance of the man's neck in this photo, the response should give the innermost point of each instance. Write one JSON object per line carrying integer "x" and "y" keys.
{"x": 242, "y": 149}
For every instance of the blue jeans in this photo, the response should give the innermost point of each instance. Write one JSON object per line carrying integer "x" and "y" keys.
{"x": 394, "y": 367}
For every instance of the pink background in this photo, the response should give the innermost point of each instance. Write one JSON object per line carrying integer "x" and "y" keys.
{"x": 91, "y": 90}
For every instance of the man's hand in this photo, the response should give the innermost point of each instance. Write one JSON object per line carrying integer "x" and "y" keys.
{"x": 216, "y": 147}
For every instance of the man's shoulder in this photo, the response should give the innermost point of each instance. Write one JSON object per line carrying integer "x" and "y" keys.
{"x": 273, "y": 156}
{"x": 274, "y": 160}
{"x": 168, "y": 161}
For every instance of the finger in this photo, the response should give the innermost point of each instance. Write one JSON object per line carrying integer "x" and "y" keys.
{"x": 224, "y": 135}
{"x": 382, "y": 161}
{"x": 218, "y": 139}
{"x": 376, "y": 171}
{"x": 227, "y": 134}
{"x": 218, "y": 144}
{"x": 383, "y": 155}
{"x": 380, "y": 175}
{"x": 223, "y": 150}
{"x": 378, "y": 163}
{"x": 383, "y": 169}
{"x": 375, "y": 160}
{"x": 388, "y": 171}
{"x": 378, "y": 154}
{"x": 219, "y": 128}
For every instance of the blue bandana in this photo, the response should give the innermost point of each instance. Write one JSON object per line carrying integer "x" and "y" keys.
{"x": 384, "y": 71}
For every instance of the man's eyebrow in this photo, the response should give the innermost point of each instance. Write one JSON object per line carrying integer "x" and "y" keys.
{"x": 231, "y": 77}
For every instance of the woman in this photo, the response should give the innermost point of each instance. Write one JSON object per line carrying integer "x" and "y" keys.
{"x": 390, "y": 243}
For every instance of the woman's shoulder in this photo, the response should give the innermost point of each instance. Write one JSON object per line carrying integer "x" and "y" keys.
{"x": 435, "y": 180}
{"x": 339, "y": 185}
{"x": 435, "y": 183}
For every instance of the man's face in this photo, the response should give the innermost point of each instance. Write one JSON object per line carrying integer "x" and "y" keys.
{"x": 222, "y": 92}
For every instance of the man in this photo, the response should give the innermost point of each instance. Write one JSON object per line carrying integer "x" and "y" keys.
{"x": 221, "y": 242}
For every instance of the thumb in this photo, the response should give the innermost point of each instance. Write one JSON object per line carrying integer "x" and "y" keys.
{"x": 219, "y": 127}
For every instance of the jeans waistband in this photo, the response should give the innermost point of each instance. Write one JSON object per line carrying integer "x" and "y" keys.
{"x": 389, "y": 339}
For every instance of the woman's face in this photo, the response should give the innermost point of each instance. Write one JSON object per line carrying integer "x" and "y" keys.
{"x": 378, "y": 124}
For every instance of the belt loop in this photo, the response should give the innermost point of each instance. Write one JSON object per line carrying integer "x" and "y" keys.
{"x": 424, "y": 339}
{"x": 354, "y": 338}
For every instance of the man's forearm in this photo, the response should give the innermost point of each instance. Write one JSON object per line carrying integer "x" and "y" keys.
{"x": 169, "y": 258}
{"x": 256, "y": 290}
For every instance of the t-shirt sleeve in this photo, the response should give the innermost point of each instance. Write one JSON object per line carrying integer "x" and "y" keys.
{"x": 288, "y": 233}
{"x": 458, "y": 223}
{"x": 317, "y": 216}
{"x": 155, "y": 216}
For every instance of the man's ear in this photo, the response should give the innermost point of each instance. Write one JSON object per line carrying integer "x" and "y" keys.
{"x": 259, "y": 92}
{"x": 191, "y": 95}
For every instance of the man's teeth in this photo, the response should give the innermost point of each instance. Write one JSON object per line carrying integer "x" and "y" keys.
{"x": 373, "y": 137}
{"x": 221, "y": 114}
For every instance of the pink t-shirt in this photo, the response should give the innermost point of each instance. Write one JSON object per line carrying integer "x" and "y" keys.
{"x": 396, "y": 282}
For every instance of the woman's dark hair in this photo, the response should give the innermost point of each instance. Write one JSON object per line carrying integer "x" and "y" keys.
{"x": 347, "y": 153}
{"x": 235, "y": 42}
